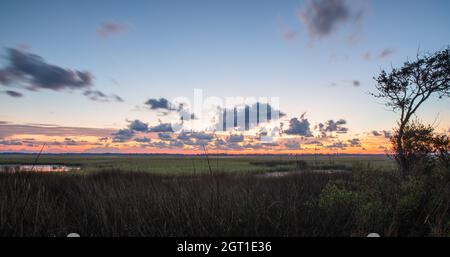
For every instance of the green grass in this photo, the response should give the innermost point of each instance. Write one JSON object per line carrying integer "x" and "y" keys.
{"x": 179, "y": 165}
{"x": 136, "y": 195}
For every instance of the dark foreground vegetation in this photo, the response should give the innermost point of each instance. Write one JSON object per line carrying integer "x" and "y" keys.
{"x": 119, "y": 203}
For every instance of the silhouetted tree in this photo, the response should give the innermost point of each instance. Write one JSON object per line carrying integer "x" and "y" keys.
{"x": 405, "y": 89}
{"x": 422, "y": 147}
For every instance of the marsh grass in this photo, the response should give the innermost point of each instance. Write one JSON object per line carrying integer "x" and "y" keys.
{"x": 182, "y": 165}
{"x": 119, "y": 203}
{"x": 114, "y": 197}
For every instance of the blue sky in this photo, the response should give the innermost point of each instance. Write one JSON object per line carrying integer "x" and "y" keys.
{"x": 227, "y": 48}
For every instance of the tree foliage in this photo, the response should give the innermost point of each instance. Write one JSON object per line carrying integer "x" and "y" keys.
{"x": 405, "y": 89}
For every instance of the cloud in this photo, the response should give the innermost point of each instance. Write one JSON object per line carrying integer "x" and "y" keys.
{"x": 165, "y": 136}
{"x": 123, "y": 135}
{"x": 354, "y": 83}
{"x": 235, "y": 138}
{"x": 13, "y": 93}
{"x": 166, "y": 107}
{"x": 161, "y": 103}
{"x": 338, "y": 145}
{"x": 8, "y": 129}
{"x": 10, "y": 142}
{"x": 299, "y": 127}
{"x": 34, "y": 73}
{"x": 138, "y": 125}
{"x": 323, "y": 17}
{"x": 183, "y": 136}
{"x": 331, "y": 126}
{"x": 376, "y": 133}
{"x": 69, "y": 141}
{"x": 195, "y": 138}
{"x": 384, "y": 53}
{"x": 201, "y": 136}
{"x": 99, "y": 96}
{"x": 355, "y": 142}
{"x": 292, "y": 145}
{"x": 6, "y": 76}
{"x": 385, "y": 133}
{"x": 142, "y": 139}
{"x": 162, "y": 127}
{"x": 110, "y": 28}
{"x": 313, "y": 142}
{"x": 116, "y": 98}
{"x": 32, "y": 70}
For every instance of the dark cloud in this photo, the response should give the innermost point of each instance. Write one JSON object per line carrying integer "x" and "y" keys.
{"x": 110, "y": 28}
{"x": 376, "y": 133}
{"x": 331, "y": 126}
{"x": 338, "y": 145}
{"x": 32, "y": 70}
{"x": 13, "y": 93}
{"x": 6, "y": 76}
{"x": 123, "y": 135}
{"x": 385, "y": 133}
{"x": 355, "y": 83}
{"x": 292, "y": 145}
{"x": 195, "y": 139}
{"x": 138, "y": 125}
{"x": 142, "y": 140}
{"x": 322, "y": 17}
{"x": 116, "y": 98}
{"x": 34, "y": 73}
{"x": 176, "y": 144}
{"x": 299, "y": 127}
{"x": 313, "y": 142}
{"x": 165, "y": 136}
{"x": 69, "y": 141}
{"x": 202, "y": 136}
{"x": 165, "y": 107}
{"x": 355, "y": 142}
{"x": 99, "y": 96}
{"x": 162, "y": 127}
{"x": 184, "y": 136}
{"x": 235, "y": 138}
{"x": 103, "y": 139}
{"x": 161, "y": 103}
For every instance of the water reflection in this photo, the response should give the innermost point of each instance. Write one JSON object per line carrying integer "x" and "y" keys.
{"x": 37, "y": 168}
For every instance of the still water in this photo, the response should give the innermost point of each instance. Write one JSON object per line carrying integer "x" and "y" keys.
{"x": 37, "y": 168}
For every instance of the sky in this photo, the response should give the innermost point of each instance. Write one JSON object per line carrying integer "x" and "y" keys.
{"x": 79, "y": 76}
